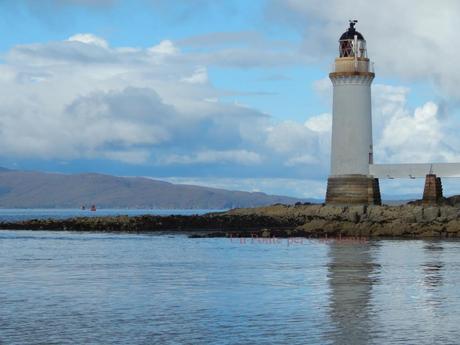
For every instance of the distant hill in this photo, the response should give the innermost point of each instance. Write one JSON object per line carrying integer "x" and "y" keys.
{"x": 29, "y": 189}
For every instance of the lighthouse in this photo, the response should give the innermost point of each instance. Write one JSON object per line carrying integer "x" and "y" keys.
{"x": 350, "y": 181}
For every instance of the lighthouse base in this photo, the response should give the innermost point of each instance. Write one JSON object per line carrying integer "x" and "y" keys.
{"x": 353, "y": 189}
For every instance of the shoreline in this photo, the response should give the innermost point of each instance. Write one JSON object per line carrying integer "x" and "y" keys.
{"x": 280, "y": 221}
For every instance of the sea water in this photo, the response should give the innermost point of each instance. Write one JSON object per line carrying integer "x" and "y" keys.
{"x": 90, "y": 288}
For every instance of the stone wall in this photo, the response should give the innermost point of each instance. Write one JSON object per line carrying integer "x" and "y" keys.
{"x": 352, "y": 190}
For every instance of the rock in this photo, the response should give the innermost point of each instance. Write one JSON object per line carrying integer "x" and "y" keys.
{"x": 449, "y": 213}
{"x": 453, "y": 227}
{"x": 278, "y": 221}
{"x": 429, "y": 233}
{"x": 330, "y": 212}
{"x": 349, "y": 229}
{"x": 430, "y": 213}
{"x": 265, "y": 233}
{"x": 311, "y": 211}
{"x": 355, "y": 214}
{"x": 392, "y": 229}
{"x": 313, "y": 226}
{"x": 379, "y": 214}
{"x": 408, "y": 215}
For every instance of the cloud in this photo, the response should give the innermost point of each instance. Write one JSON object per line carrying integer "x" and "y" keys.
{"x": 288, "y": 136}
{"x": 408, "y": 39}
{"x": 404, "y": 135}
{"x": 89, "y": 39}
{"x": 199, "y": 76}
{"x": 244, "y": 49}
{"x": 222, "y": 39}
{"x": 83, "y": 99}
{"x": 165, "y": 47}
{"x": 412, "y": 136}
{"x": 105, "y": 125}
{"x": 305, "y": 159}
{"x": 320, "y": 123}
{"x": 230, "y": 156}
{"x": 124, "y": 118}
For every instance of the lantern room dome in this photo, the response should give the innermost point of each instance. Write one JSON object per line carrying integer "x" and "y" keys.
{"x": 351, "y": 32}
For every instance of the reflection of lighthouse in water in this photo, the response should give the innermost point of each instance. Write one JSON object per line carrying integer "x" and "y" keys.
{"x": 432, "y": 270}
{"x": 351, "y": 275}
{"x": 351, "y": 150}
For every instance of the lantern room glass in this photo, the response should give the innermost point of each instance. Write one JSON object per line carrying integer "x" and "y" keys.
{"x": 347, "y": 48}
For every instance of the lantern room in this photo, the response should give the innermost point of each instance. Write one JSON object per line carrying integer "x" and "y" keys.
{"x": 352, "y": 43}
{"x": 353, "y": 53}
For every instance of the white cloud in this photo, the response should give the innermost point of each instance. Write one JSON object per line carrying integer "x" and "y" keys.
{"x": 405, "y": 135}
{"x": 410, "y": 39}
{"x": 199, "y": 76}
{"x": 323, "y": 87}
{"x": 289, "y": 136}
{"x": 242, "y": 50}
{"x": 230, "y": 156}
{"x": 320, "y": 123}
{"x": 165, "y": 47}
{"x": 82, "y": 98}
{"x": 415, "y": 137}
{"x": 305, "y": 159}
{"x": 89, "y": 39}
{"x": 302, "y": 144}
{"x": 73, "y": 99}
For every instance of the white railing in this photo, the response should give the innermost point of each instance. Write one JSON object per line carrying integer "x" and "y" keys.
{"x": 416, "y": 170}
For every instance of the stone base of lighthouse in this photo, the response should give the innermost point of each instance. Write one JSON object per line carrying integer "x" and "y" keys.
{"x": 353, "y": 190}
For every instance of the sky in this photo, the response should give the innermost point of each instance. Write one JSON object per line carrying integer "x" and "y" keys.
{"x": 232, "y": 94}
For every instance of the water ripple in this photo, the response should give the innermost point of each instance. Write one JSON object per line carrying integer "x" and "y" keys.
{"x": 64, "y": 288}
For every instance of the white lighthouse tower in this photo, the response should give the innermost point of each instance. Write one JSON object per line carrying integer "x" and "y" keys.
{"x": 350, "y": 181}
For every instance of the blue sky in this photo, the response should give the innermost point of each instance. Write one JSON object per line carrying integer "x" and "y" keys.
{"x": 231, "y": 94}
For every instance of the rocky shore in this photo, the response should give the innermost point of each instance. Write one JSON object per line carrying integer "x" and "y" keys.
{"x": 406, "y": 221}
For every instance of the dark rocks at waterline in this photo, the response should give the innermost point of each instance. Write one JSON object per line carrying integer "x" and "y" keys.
{"x": 406, "y": 221}
{"x": 210, "y": 222}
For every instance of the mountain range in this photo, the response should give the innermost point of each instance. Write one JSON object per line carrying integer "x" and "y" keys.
{"x": 32, "y": 189}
